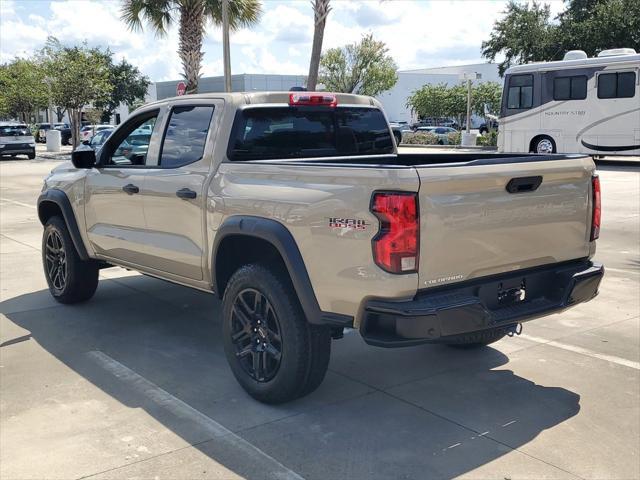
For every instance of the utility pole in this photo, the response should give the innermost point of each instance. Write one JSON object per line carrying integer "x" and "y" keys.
{"x": 468, "y": 105}
{"x": 225, "y": 46}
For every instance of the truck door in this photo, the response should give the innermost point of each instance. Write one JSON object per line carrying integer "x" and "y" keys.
{"x": 175, "y": 199}
{"x": 114, "y": 190}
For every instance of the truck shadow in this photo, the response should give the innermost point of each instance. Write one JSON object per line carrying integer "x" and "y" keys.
{"x": 420, "y": 412}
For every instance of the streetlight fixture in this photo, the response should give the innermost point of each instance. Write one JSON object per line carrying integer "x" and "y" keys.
{"x": 467, "y": 138}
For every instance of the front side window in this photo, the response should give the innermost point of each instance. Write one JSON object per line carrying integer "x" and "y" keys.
{"x": 185, "y": 136}
{"x": 520, "y": 94}
{"x": 132, "y": 149}
{"x": 617, "y": 85}
{"x": 299, "y": 132}
{"x": 570, "y": 88}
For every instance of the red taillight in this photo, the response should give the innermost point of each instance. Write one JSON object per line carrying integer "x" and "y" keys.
{"x": 597, "y": 207}
{"x": 314, "y": 99}
{"x": 396, "y": 246}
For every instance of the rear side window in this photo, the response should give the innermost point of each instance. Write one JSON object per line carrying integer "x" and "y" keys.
{"x": 617, "y": 85}
{"x": 298, "y": 132}
{"x": 520, "y": 94}
{"x": 570, "y": 88}
{"x": 185, "y": 136}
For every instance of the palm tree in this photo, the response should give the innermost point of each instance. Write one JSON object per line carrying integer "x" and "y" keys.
{"x": 320, "y": 11}
{"x": 192, "y": 16}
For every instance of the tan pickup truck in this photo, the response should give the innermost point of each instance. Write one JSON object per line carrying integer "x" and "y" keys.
{"x": 297, "y": 211}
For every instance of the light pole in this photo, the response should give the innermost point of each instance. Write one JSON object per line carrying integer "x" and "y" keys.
{"x": 469, "y": 139}
{"x": 225, "y": 46}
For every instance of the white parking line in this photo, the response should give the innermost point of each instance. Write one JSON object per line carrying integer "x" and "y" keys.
{"x": 583, "y": 351}
{"x": 272, "y": 468}
{"x": 622, "y": 270}
{"x": 17, "y": 203}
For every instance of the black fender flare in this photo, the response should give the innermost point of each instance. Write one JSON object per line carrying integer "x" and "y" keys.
{"x": 280, "y": 237}
{"x": 60, "y": 199}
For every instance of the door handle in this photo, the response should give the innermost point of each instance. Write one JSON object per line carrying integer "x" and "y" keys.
{"x": 130, "y": 189}
{"x": 524, "y": 184}
{"x": 186, "y": 193}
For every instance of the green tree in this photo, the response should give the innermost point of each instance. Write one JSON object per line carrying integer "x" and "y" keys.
{"x": 596, "y": 25}
{"x": 524, "y": 35}
{"x": 129, "y": 87}
{"x": 527, "y": 33}
{"x": 489, "y": 94}
{"x": 79, "y": 77}
{"x": 191, "y": 16}
{"x": 438, "y": 101}
{"x": 363, "y": 68}
{"x": 22, "y": 89}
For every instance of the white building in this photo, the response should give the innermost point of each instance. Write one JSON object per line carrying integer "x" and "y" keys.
{"x": 395, "y": 100}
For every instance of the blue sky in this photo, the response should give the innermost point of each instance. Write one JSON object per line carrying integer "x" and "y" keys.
{"x": 418, "y": 33}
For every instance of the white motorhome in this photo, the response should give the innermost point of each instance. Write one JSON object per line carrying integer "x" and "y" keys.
{"x": 576, "y": 105}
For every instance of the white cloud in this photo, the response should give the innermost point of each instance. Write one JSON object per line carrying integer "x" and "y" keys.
{"x": 418, "y": 33}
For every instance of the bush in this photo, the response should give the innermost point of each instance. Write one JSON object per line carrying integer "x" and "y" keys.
{"x": 419, "y": 138}
{"x": 454, "y": 138}
{"x": 489, "y": 139}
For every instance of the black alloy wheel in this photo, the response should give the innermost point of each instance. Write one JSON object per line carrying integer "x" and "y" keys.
{"x": 255, "y": 334}
{"x": 56, "y": 260}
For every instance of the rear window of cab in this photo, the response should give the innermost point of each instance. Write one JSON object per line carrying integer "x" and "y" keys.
{"x": 299, "y": 132}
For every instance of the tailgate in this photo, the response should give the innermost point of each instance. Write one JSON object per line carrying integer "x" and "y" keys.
{"x": 472, "y": 226}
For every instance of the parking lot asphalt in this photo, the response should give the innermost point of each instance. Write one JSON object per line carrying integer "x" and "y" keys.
{"x": 134, "y": 383}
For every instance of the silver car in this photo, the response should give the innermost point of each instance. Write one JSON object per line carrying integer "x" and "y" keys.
{"x": 17, "y": 139}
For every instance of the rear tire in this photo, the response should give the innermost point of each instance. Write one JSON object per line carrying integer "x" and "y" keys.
{"x": 477, "y": 339}
{"x": 274, "y": 353}
{"x": 543, "y": 145}
{"x": 32, "y": 156}
{"x": 70, "y": 279}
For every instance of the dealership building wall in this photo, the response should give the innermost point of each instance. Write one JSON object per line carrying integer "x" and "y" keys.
{"x": 394, "y": 101}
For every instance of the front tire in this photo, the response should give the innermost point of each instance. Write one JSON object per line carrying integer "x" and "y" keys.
{"x": 274, "y": 353}
{"x": 70, "y": 279}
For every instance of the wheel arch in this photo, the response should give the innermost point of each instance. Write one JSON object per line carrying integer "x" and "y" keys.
{"x": 55, "y": 202}
{"x": 242, "y": 239}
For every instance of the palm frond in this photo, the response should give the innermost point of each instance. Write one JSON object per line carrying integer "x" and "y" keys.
{"x": 157, "y": 13}
{"x": 242, "y": 13}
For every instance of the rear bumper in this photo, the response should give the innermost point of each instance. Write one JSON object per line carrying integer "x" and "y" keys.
{"x": 17, "y": 150}
{"x": 438, "y": 315}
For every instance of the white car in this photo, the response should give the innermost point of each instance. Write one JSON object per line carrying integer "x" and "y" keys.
{"x": 89, "y": 131}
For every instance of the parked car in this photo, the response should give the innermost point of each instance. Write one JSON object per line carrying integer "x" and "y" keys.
{"x": 17, "y": 139}
{"x": 65, "y": 135}
{"x": 441, "y": 132}
{"x": 89, "y": 131}
{"x": 99, "y": 138}
{"x": 297, "y": 210}
{"x": 398, "y": 129}
{"x": 41, "y": 132}
{"x": 486, "y": 126}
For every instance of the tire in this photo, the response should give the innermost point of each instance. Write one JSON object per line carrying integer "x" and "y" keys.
{"x": 477, "y": 339}
{"x": 544, "y": 145}
{"x": 70, "y": 279}
{"x": 31, "y": 156}
{"x": 294, "y": 356}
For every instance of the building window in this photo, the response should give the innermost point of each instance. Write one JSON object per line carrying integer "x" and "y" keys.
{"x": 570, "y": 88}
{"x": 617, "y": 85}
{"x": 520, "y": 93}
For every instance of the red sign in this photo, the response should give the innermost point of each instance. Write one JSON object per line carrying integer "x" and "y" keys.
{"x": 181, "y": 88}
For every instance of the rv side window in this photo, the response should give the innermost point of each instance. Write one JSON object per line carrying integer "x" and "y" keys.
{"x": 520, "y": 93}
{"x": 570, "y": 88}
{"x": 617, "y": 85}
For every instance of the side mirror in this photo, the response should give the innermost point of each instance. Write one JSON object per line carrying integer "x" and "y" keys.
{"x": 83, "y": 158}
{"x": 86, "y": 142}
